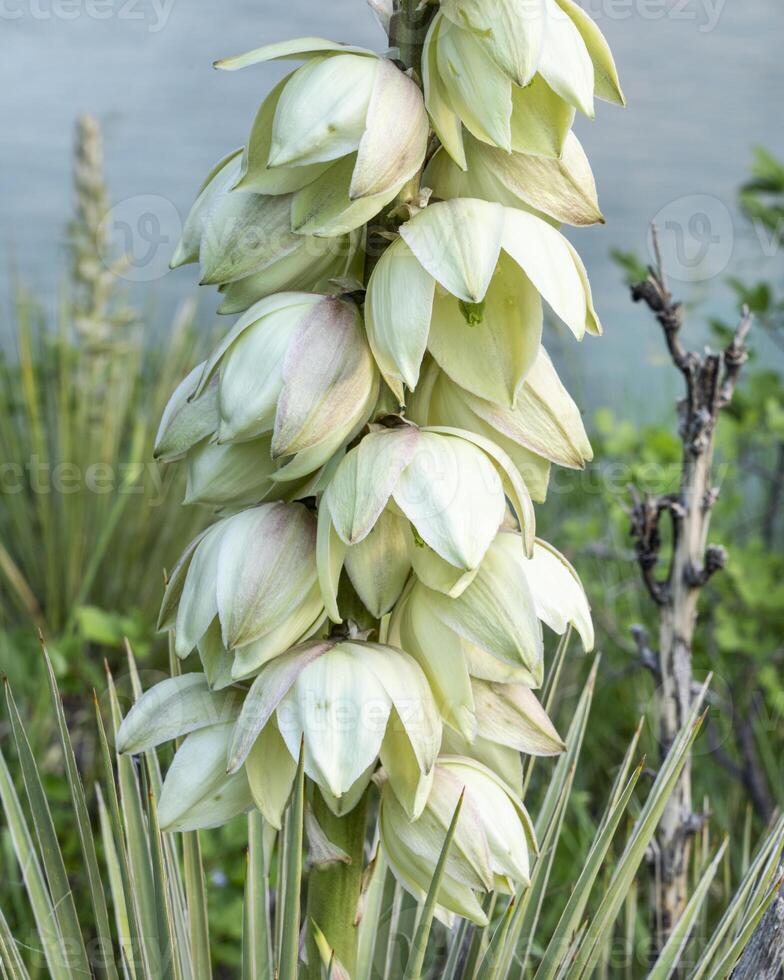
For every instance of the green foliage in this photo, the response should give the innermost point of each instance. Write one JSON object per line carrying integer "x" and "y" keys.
{"x": 134, "y": 902}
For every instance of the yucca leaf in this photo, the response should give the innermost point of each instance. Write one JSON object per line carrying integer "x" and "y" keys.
{"x": 457, "y": 940}
{"x": 634, "y": 852}
{"x": 30, "y": 866}
{"x": 549, "y": 693}
{"x": 669, "y": 958}
{"x": 74, "y": 952}
{"x": 416, "y": 957}
{"x": 724, "y": 968}
{"x": 117, "y": 887}
{"x": 492, "y": 962}
{"x": 257, "y": 939}
{"x": 171, "y": 952}
{"x": 753, "y": 886}
{"x": 548, "y": 823}
{"x": 196, "y": 900}
{"x": 382, "y": 933}
{"x": 141, "y": 877}
{"x": 10, "y": 961}
{"x": 292, "y": 878}
{"x": 83, "y": 827}
{"x": 575, "y": 907}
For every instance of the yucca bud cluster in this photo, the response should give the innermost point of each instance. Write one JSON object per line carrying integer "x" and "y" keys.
{"x": 372, "y": 433}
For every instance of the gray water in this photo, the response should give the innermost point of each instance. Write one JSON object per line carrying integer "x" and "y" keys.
{"x": 703, "y": 79}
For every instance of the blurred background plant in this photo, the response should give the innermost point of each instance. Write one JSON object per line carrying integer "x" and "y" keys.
{"x": 87, "y": 519}
{"x": 88, "y": 386}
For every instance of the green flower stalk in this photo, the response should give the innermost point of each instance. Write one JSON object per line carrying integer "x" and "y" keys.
{"x": 372, "y": 433}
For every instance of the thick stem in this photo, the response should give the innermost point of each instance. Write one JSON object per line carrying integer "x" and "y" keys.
{"x": 677, "y": 623}
{"x": 334, "y": 889}
{"x": 408, "y": 29}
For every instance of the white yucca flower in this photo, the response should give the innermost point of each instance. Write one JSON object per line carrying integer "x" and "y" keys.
{"x": 451, "y": 485}
{"x": 347, "y": 702}
{"x": 492, "y": 847}
{"x": 513, "y": 72}
{"x": 487, "y": 626}
{"x": 543, "y": 427}
{"x": 244, "y": 244}
{"x": 246, "y": 590}
{"x": 289, "y": 384}
{"x": 341, "y": 135}
{"x": 465, "y": 281}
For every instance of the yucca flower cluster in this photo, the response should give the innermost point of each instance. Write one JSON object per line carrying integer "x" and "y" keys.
{"x": 372, "y": 433}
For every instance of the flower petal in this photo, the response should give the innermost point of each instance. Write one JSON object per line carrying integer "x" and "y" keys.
{"x": 562, "y": 188}
{"x": 565, "y": 63}
{"x": 497, "y": 611}
{"x": 541, "y": 120}
{"x": 545, "y": 420}
{"x": 266, "y": 566}
{"x": 245, "y": 233}
{"x": 479, "y": 90}
{"x": 607, "y": 84}
{"x": 298, "y": 627}
{"x": 255, "y": 175}
{"x": 458, "y": 242}
{"x": 395, "y": 140}
{"x": 513, "y": 484}
{"x": 453, "y": 496}
{"x": 366, "y": 478}
{"x": 324, "y": 207}
{"x": 322, "y": 110}
{"x": 341, "y": 710}
{"x": 265, "y": 694}
{"x": 445, "y": 121}
{"x": 398, "y": 308}
{"x": 229, "y": 475}
{"x": 558, "y": 593}
{"x": 378, "y": 566}
{"x": 513, "y": 32}
{"x": 186, "y": 422}
{"x": 171, "y": 709}
{"x": 406, "y": 685}
{"x": 198, "y": 603}
{"x": 438, "y": 651}
{"x": 301, "y": 47}
{"x": 222, "y": 177}
{"x": 197, "y": 793}
{"x": 511, "y": 715}
{"x": 489, "y": 350}
{"x": 327, "y": 376}
{"x": 548, "y": 261}
{"x": 270, "y": 769}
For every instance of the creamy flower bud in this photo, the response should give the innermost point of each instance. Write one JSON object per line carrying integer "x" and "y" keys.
{"x": 513, "y": 72}
{"x": 296, "y": 366}
{"x": 347, "y": 702}
{"x": 244, "y": 243}
{"x": 451, "y": 485}
{"x": 490, "y": 850}
{"x": 255, "y": 573}
{"x": 465, "y": 281}
{"x": 341, "y": 135}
